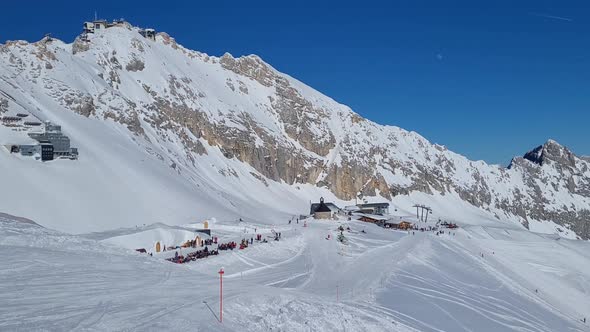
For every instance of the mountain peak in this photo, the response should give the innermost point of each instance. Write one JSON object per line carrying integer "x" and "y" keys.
{"x": 551, "y": 151}
{"x": 554, "y": 143}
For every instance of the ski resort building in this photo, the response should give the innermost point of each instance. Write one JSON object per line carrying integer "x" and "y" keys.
{"x": 403, "y": 225}
{"x": 43, "y": 150}
{"x": 322, "y": 211}
{"x": 60, "y": 142}
{"x": 47, "y": 145}
{"x": 27, "y": 149}
{"x": 372, "y": 218}
{"x": 374, "y": 208}
{"x": 331, "y": 206}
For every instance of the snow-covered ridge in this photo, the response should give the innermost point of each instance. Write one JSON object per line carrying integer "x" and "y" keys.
{"x": 222, "y": 130}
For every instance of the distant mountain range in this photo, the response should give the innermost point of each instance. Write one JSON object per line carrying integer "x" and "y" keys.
{"x": 237, "y": 135}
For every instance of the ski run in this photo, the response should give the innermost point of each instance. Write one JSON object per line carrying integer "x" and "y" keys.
{"x": 473, "y": 278}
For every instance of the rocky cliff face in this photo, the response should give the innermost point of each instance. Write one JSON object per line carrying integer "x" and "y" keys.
{"x": 184, "y": 102}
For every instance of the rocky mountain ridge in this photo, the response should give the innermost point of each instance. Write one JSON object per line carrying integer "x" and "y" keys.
{"x": 178, "y": 104}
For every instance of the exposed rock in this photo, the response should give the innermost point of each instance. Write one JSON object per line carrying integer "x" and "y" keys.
{"x": 80, "y": 45}
{"x": 135, "y": 65}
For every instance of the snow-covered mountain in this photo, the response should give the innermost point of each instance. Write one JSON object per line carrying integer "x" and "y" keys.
{"x": 169, "y": 134}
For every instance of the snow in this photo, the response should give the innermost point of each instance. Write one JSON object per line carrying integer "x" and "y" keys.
{"x": 147, "y": 239}
{"x": 382, "y": 280}
{"x": 9, "y": 136}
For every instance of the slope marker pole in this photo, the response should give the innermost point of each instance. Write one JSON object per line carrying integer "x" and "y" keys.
{"x": 221, "y": 272}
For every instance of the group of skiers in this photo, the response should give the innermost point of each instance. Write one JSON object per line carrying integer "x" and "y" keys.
{"x": 195, "y": 243}
{"x": 227, "y": 246}
{"x": 243, "y": 244}
{"x": 443, "y": 232}
{"x": 204, "y": 253}
{"x": 193, "y": 256}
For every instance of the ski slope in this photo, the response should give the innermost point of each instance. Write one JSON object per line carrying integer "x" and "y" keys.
{"x": 381, "y": 280}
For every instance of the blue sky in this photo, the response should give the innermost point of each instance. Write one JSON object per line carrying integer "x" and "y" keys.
{"x": 490, "y": 80}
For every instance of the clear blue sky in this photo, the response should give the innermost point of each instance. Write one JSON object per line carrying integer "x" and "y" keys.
{"x": 490, "y": 80}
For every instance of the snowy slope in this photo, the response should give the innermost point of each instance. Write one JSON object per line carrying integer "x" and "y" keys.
{"x": 380, "y": 281}
{"x": 174, "y": 135}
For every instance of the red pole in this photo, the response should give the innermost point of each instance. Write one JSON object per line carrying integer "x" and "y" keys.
{"x": 221, "y": 295}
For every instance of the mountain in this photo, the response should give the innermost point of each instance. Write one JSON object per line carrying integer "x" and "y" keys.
{"x": 169, "y": 134}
